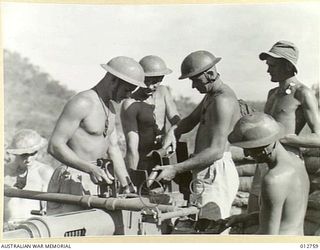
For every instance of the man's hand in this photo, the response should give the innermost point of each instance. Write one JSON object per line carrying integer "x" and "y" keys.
{"x": 235, "y": 219}
{"x": 98, "y": 175}
{"x": 170, "y": 139}
{"x": 288, "y": 138}
{"x": 167, "y": 173}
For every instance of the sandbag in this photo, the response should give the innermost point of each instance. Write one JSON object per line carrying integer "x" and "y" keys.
{"x": 313, "y": 215}
{"x": 314, "y": 183}
{"x": 314, "y": 200}
{"x": 310, "y": 228}
{"x": 245, "y": 183}
{"x": 246, "y": 169}
{"x": 312, "y": 164}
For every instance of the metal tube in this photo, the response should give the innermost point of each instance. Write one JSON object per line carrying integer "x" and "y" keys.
{"x": 87, "y": 201}
{"x": 179, "y": 213}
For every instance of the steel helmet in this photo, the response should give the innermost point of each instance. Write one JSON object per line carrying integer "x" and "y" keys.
{"x": 126, "y": 69}
{"x": 197, "y": 62}
{"x": 256, "y": 130}
{"x": 154, "y": 66}
{"x": 26, "y": 141}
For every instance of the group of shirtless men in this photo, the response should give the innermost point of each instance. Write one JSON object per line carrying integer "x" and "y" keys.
{"x": 86, "y": 131}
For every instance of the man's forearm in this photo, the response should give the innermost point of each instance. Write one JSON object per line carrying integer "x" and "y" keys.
{"x": 199, "y": 161}
{"x": 132, "y": 160}
{"x": 119, "y": 165}
{"x": 184, "y": 126}
{"x": 66, "y": 156}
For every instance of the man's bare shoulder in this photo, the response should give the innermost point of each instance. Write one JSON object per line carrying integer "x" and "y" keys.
{"x": 280, "y": 175}
{"x": 82, "y": 101}
{"x": 45, "y": 171}
{"x": 303, "y": 92}
{"x": 271, "y": 91}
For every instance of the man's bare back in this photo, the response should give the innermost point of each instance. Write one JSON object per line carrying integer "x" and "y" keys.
{"x": 285, "y": 185}
{"x": 221, "y": 105}
{"x": 290, "y": 182}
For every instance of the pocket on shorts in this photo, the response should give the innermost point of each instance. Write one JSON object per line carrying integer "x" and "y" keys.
{"x": 208, "y": 176}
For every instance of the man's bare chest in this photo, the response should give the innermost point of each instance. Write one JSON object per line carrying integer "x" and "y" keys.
{"x": 99, "y": 122}
{"x": 281, "y": 104}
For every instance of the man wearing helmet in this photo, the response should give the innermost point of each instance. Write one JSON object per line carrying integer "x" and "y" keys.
{"x": 291, "y": 103}
{"x": 85, "y": 131}
{"x": 285, "y": 186}
{"x": 143, "y": 116}
{"x": 216, "y": 115}
{"x": 25, "y": 172}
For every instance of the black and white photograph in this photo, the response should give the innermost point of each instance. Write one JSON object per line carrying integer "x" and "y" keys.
{"x": 160, "y": 119}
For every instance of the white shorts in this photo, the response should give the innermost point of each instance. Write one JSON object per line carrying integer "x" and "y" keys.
{"x": 219, "y": 183}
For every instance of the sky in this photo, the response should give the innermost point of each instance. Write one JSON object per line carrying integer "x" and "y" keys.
{"x": 70, "y": 41}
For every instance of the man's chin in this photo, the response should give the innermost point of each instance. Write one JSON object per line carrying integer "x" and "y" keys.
{"x": 259, "y": 160}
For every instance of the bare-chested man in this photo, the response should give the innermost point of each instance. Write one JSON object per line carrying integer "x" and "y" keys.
{"x": 216, "y": 115}
{"x": 86, "y": 132}
{"x": 25, "y": 172}
{"x": 291, "y": 103}
{"x": 143, "y": 116}
{"x": 285, "y": 186}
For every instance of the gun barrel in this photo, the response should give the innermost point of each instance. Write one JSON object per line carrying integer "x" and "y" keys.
{"x": 88, "y": 201}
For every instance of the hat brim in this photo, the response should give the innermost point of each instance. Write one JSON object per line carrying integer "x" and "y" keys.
{"x": 196, "y": 72}
{"x": 257, "y": 143}
{"x": 122, "y": 76}
{"x": 264, "y": 55}
{"x": 159, "y": 73}
{"x": 30, "y": 150}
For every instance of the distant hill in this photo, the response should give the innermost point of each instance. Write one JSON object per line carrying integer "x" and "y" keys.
{"x": 32, "y": 99}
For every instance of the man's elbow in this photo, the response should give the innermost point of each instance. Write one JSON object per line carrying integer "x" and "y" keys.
{"x": 52, "y": 148}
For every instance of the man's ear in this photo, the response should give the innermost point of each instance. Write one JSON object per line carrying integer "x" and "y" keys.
{"x": 289, "y": 67}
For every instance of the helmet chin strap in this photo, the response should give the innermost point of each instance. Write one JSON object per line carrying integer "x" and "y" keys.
{"x": 211, "y": 82}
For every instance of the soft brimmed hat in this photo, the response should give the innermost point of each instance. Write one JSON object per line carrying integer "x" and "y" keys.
{"x": 26, "y": 141}
{"x": 283, "y": 49}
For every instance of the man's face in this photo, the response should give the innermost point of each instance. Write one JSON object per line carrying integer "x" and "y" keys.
{"x": 199, "y": 82}
{"x": 26, "y": 160}
{"x": 122, "y": 90}
{"x": 276, "y": 69}
{"x": 152, "y": 83}
{"x": 260, "y": 154}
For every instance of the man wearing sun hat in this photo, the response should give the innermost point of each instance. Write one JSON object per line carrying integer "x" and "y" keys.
{"x": 25, "y": 172}
{"x": 291, "y": 103}
{"x": 285, "y": 186}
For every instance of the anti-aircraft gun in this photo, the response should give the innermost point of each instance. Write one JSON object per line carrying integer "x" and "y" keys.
{"x": 114, "y": 214}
